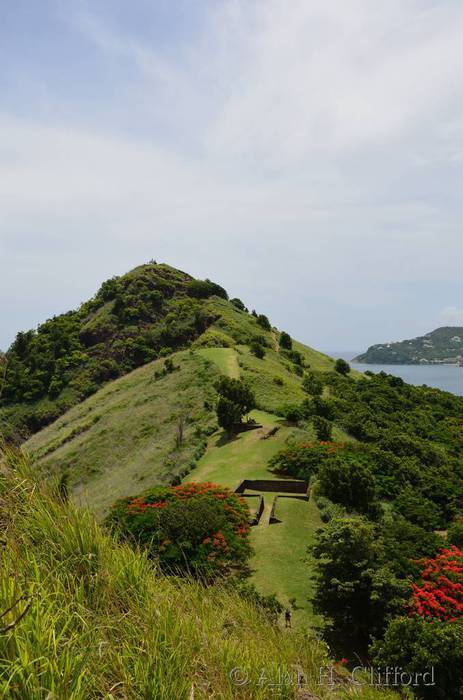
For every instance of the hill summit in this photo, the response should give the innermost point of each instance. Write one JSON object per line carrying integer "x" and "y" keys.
{"x": 442, "y": 346}
{"x": 133, "y": 319}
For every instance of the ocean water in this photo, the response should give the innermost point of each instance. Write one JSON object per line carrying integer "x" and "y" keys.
{"x": 445, "y": 377}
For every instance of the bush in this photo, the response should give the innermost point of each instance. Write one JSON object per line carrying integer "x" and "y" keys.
{"x": 312, "y": 385}
{"x": 303, "y": 459}
{"x": 263, "y": 322}
{"x": 342, "y": 367}
{"x": 238, "y": 304}
{"x": 419, "y": 646}
{"x": 202, "y": 289}
{"x": 328, "y": 509}
{"x": 200, "y": 529}
{"x": 455, "y": 534}
{"x": 291, "y": 412}
{"x": 417, "y": 508}
{"x": 439, "y": 595}
{"x": 323, "y": 428}
{"x": 355, "y": 593}
{"x": 285, "y": 341}
{"x": 346, "y": 480}
{"x": 257, "y": 349}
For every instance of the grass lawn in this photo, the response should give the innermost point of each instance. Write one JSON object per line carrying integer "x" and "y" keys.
{"x": 281, "y": 564}
{"x": 224, "y": 358}
{"x": 245, "y": 456}
{"x": 279, "y": 548}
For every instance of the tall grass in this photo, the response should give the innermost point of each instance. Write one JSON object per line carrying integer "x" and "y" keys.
{"x": 99, "y": 622}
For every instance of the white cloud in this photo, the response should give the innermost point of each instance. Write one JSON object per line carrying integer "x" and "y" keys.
{"x": 316, "y": 145}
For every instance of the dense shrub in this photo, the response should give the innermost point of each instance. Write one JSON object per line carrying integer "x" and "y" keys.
{"x": 347, "y": 480}
{"x": 285, "y": 341}
{"x": 312, "y": 384}
{"x": 323, "y": 428}
{"x": 202, "y": 289}
{"x": 257, "y": 349}
{"x": 455, "y": 534}
{"x": 439, "y": 594}
{"x": 356, "y": 593}
{"x": 238, "y": 304}
{"x": 198, "y": 528}
{"x": 342, "y": 367}
{"x": 303, "y": 459}
{"x": 417, "y": 647}
{"x": 263, "y": 322}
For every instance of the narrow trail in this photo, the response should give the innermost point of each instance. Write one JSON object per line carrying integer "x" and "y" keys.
{"x": 265, "y": 517}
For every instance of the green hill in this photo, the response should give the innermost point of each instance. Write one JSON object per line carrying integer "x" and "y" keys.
{"x": 442, "y": 346}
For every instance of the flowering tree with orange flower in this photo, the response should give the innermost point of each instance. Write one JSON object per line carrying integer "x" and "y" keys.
{"x": 439, "y": 595}
{"x": 200, "y": 529}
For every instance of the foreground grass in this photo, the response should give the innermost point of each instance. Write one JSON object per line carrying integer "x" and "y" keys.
{"x": 84, "y": 618}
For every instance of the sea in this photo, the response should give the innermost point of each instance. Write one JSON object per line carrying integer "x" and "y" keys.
{"x": 445, "y": 377}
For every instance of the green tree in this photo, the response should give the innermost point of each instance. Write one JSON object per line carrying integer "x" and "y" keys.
{"x": 236, "y": 399}
{"x": 312, "y": 384}
{"x": 355, "y": 592}
{"x": 285, "y": 341}
{"x": 455, "y": 533}
{"x": 345, "y": 479}
{"x": 263, "y": 322}
{"x": 238, "y": 304}
{"x": 257, "y": 349}
{"x": 342, "y": 367}
{"x": 323, "y": 428}
{"x": 418, "y": 646}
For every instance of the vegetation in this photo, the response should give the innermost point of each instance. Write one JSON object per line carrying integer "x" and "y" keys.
{"x": 285, "y": 341}
{"x": 235, "y": 401}
{"x": 199, "y": 529}
{"x": 133, "y": 319}
{"x": 342, "y": 367}
{"x": 85, "y": 617}
{"x": 356, "y": 592}
{"x": 134, "y": 433}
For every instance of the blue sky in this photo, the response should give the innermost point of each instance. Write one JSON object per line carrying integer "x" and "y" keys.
{"x": 306, "y": 155}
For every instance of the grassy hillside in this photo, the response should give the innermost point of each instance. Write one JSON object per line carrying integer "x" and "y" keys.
{"x": 85, "y": 618}
{"x": 124, "y": 438}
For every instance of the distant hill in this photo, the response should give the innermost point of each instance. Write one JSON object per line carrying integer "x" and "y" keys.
{"x": 442, "y": 346}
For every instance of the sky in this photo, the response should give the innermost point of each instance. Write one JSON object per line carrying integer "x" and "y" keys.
{"x": 306, "y": 155}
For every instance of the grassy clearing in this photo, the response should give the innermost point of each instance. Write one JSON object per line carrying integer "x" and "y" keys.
{"x": 281, "y": 564}
{"x": 123, "y": 438}
{"x": 100, "y": 624}
{"x": 228, "y": 462}
{"x": 224, "y": 358}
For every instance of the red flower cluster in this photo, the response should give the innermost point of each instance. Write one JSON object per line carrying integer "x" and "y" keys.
{"x": 440, "y": 595}
{"x": 216, "y": 540}
{"x": 139, "y": 505}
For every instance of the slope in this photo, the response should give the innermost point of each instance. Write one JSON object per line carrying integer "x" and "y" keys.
{"x": 86, "y": 617}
